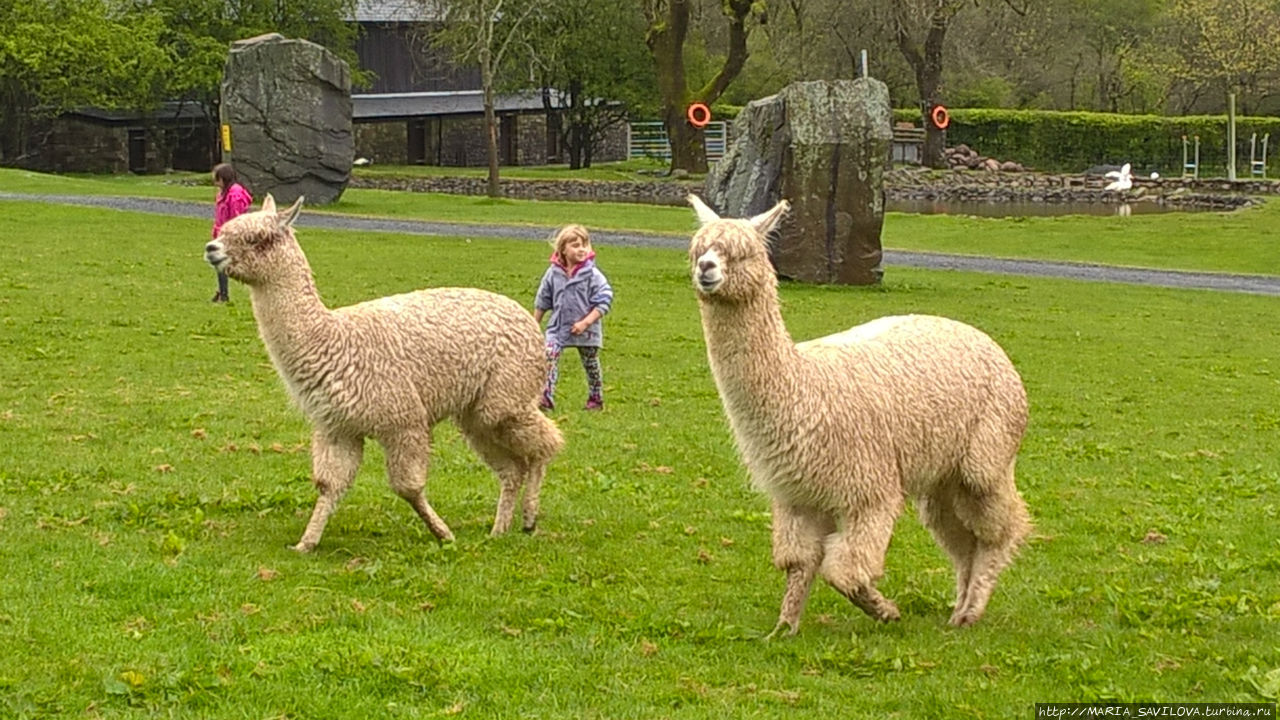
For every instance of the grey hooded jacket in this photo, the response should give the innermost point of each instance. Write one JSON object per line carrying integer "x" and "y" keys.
{"x": 570, "y": 298}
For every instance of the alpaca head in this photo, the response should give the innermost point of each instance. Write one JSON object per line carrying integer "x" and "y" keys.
{"x": 730, "y": 258}
{"x": 254, "y": 246}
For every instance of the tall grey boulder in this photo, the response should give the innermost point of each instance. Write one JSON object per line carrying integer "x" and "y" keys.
{"x": 288, "y": 105}
{"x": 823, "y": 146}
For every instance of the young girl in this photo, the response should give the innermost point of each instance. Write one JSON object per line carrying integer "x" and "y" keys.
{"x": 578, "y": 295}
{"x": 232, "y": 200}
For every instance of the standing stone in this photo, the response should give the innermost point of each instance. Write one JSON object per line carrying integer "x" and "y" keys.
{"x": 288, "y": 104}
{"x": 823, "y": 146}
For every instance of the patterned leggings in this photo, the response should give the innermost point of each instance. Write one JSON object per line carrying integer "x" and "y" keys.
{"x": 590, "y": 357}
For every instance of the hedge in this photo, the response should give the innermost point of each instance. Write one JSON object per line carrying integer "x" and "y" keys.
{"x": 1074, "y": 141}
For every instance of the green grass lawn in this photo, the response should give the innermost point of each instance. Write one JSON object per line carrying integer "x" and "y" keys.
{"x": 154, "y": 473}
{"x": 1244, "y": 241}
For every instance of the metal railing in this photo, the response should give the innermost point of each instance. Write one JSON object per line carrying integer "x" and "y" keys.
{"x": 649, "y": 139}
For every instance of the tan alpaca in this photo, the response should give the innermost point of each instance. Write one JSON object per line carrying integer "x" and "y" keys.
{"x": 391, "y": 368}
{"x": 840, "y": 430}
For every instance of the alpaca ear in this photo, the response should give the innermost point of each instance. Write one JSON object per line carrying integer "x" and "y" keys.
{"x": 286, "y": 217}
{"x": 704, "y": 212}
{"x": 765, "y": 222}
{"x": 269, "y": 205}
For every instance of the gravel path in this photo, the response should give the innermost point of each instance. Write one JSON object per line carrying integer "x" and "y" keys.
{"x": 1255, "y": 284}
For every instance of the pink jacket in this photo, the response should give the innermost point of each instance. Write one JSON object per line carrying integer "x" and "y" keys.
{"x": 231, "y": 202}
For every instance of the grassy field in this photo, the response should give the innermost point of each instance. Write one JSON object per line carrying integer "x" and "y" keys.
{"x": 1237, "y": 242}
{"x": 154, "y": 474}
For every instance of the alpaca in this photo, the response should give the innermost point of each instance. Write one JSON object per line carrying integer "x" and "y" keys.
{"x": 838, "y": 431}
{"x": 390, "y": 369}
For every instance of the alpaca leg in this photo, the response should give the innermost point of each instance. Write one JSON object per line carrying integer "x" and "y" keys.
{"x": 510, "y": 472}
{"x": 999, "y": 522}
{"x": 518, "y": 448}
{"x": 334, "y": 462}
{"x": 536, "y": 440}
{"x": 798, "y": 535}
{"x": 937, "y": 512}
{"x": 408, "y": 455}
{"x": 854, "y": 560}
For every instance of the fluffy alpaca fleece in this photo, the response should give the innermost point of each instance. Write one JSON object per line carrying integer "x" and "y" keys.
{"x": 391, "y": 368}
{"x": 838, "y": 431}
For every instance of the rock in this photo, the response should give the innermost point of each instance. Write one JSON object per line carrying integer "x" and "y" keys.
{"x": 288, "y": 105}
{"x": 990, "y": 165}
{"x": 823, "y": 146}
{"x": 1010, "y": 166}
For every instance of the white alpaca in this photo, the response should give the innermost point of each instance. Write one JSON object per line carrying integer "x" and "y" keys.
{"x": 391, "y": 368}
{"x": 840, "y": 430}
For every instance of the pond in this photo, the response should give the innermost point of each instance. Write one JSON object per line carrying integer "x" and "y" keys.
{"x": 1028, "y": 209}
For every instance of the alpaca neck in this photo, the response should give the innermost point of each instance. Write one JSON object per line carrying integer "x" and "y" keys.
{"x": 291, "y": 317}
{"x": 751, "y": 352}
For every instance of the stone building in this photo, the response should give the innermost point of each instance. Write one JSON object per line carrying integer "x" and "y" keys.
{"x": 423, "y": 110}
{"x": 419, "y": 109}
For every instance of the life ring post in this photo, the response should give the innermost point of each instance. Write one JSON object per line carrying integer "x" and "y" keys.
{"x": 940, "y": 117}
{"x": 699, "y": 115}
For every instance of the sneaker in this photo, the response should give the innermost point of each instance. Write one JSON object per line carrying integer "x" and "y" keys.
{"x": 546, "y": 403}
{"x": 594, "y": 404}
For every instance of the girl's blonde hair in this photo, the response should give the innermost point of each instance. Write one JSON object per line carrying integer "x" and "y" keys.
{"x": 569, "y": 232}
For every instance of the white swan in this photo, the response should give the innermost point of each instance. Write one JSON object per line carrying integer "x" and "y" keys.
{"x": 1123, "y": 180}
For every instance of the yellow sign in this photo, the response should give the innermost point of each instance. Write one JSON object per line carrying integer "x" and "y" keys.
{"x": 226, "y": 138}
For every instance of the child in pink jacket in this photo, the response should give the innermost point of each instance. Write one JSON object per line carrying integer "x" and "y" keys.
{"x": 232, "y": 200}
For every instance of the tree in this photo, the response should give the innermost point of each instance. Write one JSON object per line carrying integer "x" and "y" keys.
{"x": 198, "y": 35}
{"x": 925, "y": 57}
{"x": 668, "y": 28}
{"x": 1222, "y": 46}
{"x": 593, "y": 69}
{"x": 56, "y": 55}
{"x": 484, "y": 32}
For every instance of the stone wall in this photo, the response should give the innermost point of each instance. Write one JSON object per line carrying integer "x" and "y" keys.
{"x": 984, "y": 186}
{"x": 531, "y": 139}
{"x": 646, "y": 192}
{"x": 70, "y": 144}
{"x": 462, "y": 142}
{"x": 900, "y": 184}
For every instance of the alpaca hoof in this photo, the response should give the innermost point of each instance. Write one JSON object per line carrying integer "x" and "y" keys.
{"x": 791, "y": 630}
{"x": 530, "y": 528}
{"x": 889, "y": 614}
{"x": 963, "y": 619}
{"x": 302, "y": 547}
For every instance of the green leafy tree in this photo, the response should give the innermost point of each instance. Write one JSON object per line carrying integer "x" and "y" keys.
{"x": 197, "y": 35}
{"x": 56, "y": 55}
{"x": 668, "y": 29}
{"x": 487, "y": 33}
{"x": 592, "y": 54}
{"x": 1222, "y": 46}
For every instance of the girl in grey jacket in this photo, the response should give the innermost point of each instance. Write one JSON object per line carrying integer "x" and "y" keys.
{"x": 577, "y": 294}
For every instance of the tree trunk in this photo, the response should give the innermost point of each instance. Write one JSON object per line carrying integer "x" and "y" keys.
{"x": 665, "y": 39}
{"x": 926, "y": 61}
{"x": 688, "y": 150}
{"x": 494, "y": 190}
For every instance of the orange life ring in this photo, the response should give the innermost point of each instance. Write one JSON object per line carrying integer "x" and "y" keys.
{"x": 941, "y": 118}
{"x": 699, "y": 115}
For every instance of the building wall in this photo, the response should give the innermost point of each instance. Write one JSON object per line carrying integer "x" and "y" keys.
{"x": 384, "y": 143}
{"x": 402, "y": 60}
{"x": 69, "y": 144}
{"x": 613, "y": 148}
{"x": 462, "y": 142}
{"x": 531, "y": 134}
